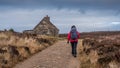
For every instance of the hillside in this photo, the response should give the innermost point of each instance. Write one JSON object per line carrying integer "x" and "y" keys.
{"x": 16, "y": 47}
{"x": 95, "y": 50}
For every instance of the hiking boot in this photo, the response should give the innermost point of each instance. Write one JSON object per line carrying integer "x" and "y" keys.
{"x": 74, "y": 55}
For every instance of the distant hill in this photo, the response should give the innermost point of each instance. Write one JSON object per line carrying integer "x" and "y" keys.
{"x": 96, "y": 33}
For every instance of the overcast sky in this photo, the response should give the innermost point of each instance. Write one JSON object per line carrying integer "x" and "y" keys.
{"x": 87, "y": 15}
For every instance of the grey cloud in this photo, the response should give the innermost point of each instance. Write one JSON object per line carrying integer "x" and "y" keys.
{"x": 83, "y": 13}
{"x": 71, "y": 4}
{"x": 117, "y": 13}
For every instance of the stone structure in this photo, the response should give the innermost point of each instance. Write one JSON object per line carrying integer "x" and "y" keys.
{"x": 45, "y": 27}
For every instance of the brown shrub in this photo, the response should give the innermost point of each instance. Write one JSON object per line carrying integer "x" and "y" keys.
{"x": 15, "y": 47}
{"x": 105, "y": 50}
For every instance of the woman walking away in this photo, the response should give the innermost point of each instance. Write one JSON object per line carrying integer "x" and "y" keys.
{"x": 73, "y": 37}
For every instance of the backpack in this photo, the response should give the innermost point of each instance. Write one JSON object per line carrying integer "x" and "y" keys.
{"x": 74, "y": 34}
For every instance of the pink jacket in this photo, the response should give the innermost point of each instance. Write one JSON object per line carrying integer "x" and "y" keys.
{"x": 69, "y": 37}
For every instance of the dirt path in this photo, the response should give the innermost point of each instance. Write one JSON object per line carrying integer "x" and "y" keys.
{"x": 55, "y": 56}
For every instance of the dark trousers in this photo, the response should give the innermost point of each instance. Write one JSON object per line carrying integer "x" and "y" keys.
{"x": 74, "y": 48}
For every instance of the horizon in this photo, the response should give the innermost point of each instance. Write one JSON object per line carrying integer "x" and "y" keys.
{"x": 87, "y": 15}
{"x": 68, "y": 32}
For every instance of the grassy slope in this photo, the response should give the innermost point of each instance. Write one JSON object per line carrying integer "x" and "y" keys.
{"x": 23, "y": 46}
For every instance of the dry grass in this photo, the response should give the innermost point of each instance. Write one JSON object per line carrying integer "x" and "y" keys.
{"x": 103, "y": 54}
{"x": 15, "y": 47}
{"x": 87, "y": 61}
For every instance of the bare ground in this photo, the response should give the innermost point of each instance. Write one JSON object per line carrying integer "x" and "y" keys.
{"x": 55, "y": 56}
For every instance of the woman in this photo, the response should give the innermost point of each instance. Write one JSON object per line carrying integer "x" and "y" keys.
{"x": 73, "y": 37}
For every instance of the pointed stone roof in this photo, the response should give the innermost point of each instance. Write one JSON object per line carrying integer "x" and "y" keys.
{"x": 47, "y": 20}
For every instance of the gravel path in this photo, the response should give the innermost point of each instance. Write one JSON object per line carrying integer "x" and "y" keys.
{"x": 55, "y": 56}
